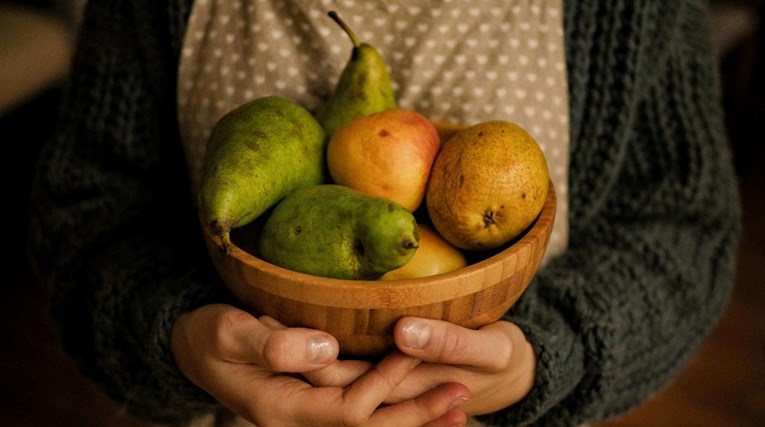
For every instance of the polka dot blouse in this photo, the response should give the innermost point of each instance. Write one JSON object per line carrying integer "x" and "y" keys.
{"x": 461, "y": 61}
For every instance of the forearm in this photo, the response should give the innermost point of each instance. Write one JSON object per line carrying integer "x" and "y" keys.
{"x": 655, "y": 224}
{"x": 113, "y": 231}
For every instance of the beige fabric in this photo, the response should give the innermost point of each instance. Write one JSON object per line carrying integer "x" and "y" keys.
{"x": 461, "y": 61}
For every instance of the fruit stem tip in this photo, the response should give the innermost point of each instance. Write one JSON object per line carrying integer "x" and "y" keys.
{"x": 226, "y": 242}
{"x": 332, "y": 14}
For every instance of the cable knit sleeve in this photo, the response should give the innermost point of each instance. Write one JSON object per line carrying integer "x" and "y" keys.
{"x": 654, "y": 215}
{"x": 112, "y": 226}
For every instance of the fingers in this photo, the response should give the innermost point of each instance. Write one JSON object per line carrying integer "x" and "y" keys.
{"x": 435, "y": 408}
{"x": 489, "y": 348}
{"x": 340, "y": 373}
{"x": 354, "y": 404}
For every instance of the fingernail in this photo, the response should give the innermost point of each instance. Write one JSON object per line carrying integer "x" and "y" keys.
{"x": 456, "y": 403}
{"x": 320, "y": 350}
{"x": 416, "y": 334}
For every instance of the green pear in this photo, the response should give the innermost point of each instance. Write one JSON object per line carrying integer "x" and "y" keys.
{"x": 333, "y": 231}
{"x": 257, "y": 154}
{"x": 364, "y": 86}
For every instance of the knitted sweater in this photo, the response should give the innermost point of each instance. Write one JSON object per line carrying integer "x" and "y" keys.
{"x": 653, "y": 213}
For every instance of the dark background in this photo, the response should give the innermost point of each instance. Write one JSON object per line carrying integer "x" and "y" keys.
{"x": 723, "y": 385}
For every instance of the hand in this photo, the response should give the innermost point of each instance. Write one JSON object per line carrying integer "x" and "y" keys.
{"x": 249, "y": 364}
{"x": 495, "y": 362}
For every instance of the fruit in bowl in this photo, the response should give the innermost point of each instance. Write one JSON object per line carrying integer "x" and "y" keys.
{"x": 312, "y": 252}
{"x": 488, "y": 184}
{"x": 361, "y": 313}
{"x": 387, "y": 154}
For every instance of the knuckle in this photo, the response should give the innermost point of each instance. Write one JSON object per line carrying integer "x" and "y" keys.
{"x": 275, "y": 350}
{"x": 454, "y": 347}
{"x": 225, "y": 324}
{"x": 353, "y": 417}
{"x": 502, "y": 359}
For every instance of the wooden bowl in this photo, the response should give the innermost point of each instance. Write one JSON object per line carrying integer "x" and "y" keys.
{"x": 361, "y": 313}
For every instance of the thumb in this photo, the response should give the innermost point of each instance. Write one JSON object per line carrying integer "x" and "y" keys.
{"x": 280, "y": 349}
{"x": 238, "y": 337}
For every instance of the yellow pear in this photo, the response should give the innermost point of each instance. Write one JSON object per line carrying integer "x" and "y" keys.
{"x": 487, "y": 185}
{"x": 434, "y": 256}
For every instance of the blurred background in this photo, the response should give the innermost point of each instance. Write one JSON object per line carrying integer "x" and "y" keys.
{"x": 722, "y": 385}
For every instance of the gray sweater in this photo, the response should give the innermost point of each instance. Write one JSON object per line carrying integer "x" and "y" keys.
{"x": 654, "y": 213}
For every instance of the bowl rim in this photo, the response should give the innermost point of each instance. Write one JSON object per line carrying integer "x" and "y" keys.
{"x": 429, "y": 289}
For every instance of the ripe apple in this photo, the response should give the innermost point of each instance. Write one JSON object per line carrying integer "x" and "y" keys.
{"x": 386, "y": 154}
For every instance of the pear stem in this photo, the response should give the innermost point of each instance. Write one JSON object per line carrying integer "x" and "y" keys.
{"x": 332, "y": 14}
